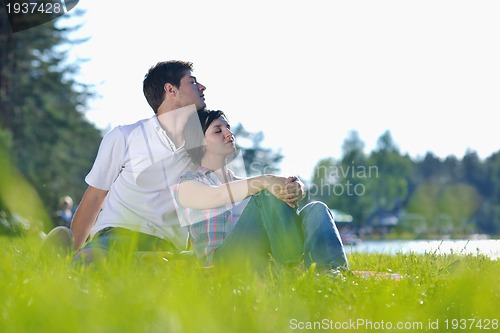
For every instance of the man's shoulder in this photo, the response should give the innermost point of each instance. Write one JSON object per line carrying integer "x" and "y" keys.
{"x": 126, "y": 130}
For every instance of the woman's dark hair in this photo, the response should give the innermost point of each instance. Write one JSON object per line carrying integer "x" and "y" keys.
{"x": 194, "y": 132}
{"x": 161, "y": 73}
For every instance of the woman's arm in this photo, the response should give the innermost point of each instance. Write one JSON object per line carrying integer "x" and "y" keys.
{"x": 196, "y": 195}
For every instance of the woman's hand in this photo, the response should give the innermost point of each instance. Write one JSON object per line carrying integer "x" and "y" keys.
{"x": 289, "y": 190}
{"x": 295, "y": 190}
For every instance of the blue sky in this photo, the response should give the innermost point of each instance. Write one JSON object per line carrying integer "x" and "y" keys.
{"x": 308, "y": 74}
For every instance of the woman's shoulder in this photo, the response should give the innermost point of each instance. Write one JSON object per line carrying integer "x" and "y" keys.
{"x": 196, "y": 173}
{"x": 232, "y": 175}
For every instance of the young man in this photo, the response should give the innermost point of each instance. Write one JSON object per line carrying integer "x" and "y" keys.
{"x": 128, "y": 203}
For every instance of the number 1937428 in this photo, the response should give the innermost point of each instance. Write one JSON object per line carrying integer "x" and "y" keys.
{"x": 471, "y": 323}
{"x": 19, "y": 7}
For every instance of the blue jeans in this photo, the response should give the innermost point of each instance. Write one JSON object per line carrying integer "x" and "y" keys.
{"x": 120, "y": 240}
{"x": 268, "y": 226}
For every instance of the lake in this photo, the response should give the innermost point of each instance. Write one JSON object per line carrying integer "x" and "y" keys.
{"x": 487, "y": 247}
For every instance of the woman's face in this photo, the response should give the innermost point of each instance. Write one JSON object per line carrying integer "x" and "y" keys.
{"x": 219, "y": 138}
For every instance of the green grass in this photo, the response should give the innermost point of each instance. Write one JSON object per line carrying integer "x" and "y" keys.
{"x": 128, "y": 295}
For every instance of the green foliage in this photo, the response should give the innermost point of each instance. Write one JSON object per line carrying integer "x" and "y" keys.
{"x": 428, "y": 195}
{"x": 128, "y": 295}
{"x": 41, "y": 119}
{"x": 488, "y": 216}
{"x": 342, "y": 184}
{"x": 19, "y": 197}
{"x": 445, "y": 207}
{"x": 460, "y": 201}
{"x": 424, "y": 202}
{"x": 323, "y": 180}
{"x": 5, "y": 140}
{"x": 392, "y": 186}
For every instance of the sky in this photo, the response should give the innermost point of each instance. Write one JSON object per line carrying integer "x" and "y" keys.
{"x": 307, "y": 74}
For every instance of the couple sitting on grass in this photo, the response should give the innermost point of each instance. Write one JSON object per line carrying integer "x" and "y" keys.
{"x": 236, "y": 220}
{"x": 161, "y": 180}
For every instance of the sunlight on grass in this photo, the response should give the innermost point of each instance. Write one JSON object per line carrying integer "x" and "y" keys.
{"x": 129, "y": 295}
{"x": 19, "y": 197}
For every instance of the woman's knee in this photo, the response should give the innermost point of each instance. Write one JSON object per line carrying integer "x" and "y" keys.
{"x": 266, "y": 198}
{"x": 316, "y": 207}
{"x": 316, "y": 215}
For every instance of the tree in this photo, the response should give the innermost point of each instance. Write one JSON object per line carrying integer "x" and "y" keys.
{"x": 341, "y": 185}
{"x": 488, "y": 215}
{"x": 323, "y": 181}
{"x": 257, "y": 159}
{"x": 41, "y": 104}
{"x": 356, "y": 172}
{"x": 446, "y": 207}
{"x": 452, "y": 166}
{"x": 391, "y": 188}
{"x": 352, "y": 148}
{"x": 475, "y": 172}
{"x": 449, "y": 195}
{"x": 429, "y": 167}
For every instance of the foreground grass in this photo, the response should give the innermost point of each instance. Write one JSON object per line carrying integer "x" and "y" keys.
{"x": 436, "y": 293}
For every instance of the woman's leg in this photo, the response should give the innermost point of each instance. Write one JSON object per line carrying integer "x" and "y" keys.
{"x": 266, "y": 226}
{"x": 322, "y": 239}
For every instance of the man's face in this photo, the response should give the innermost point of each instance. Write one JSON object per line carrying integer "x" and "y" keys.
{"x": 191, "y": 92}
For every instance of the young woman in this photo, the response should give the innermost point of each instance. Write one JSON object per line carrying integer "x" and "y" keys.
{"x": 239, "y": 219}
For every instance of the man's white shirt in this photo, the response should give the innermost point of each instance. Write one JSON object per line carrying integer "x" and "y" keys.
{"x": 138, "y": 164}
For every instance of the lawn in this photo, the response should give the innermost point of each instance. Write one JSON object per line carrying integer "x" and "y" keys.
{"x": 438, "y": 293}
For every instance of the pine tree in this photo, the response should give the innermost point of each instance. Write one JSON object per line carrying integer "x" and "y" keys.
{"x": 41, "y": 111}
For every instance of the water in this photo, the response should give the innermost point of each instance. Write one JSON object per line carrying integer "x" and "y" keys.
{"x": 487, "y": 247}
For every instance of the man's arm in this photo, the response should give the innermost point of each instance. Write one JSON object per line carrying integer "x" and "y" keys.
{"x": 86, "y": 214}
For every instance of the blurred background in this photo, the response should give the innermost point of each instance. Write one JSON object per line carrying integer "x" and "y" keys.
{"x": 384, "y": 109}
